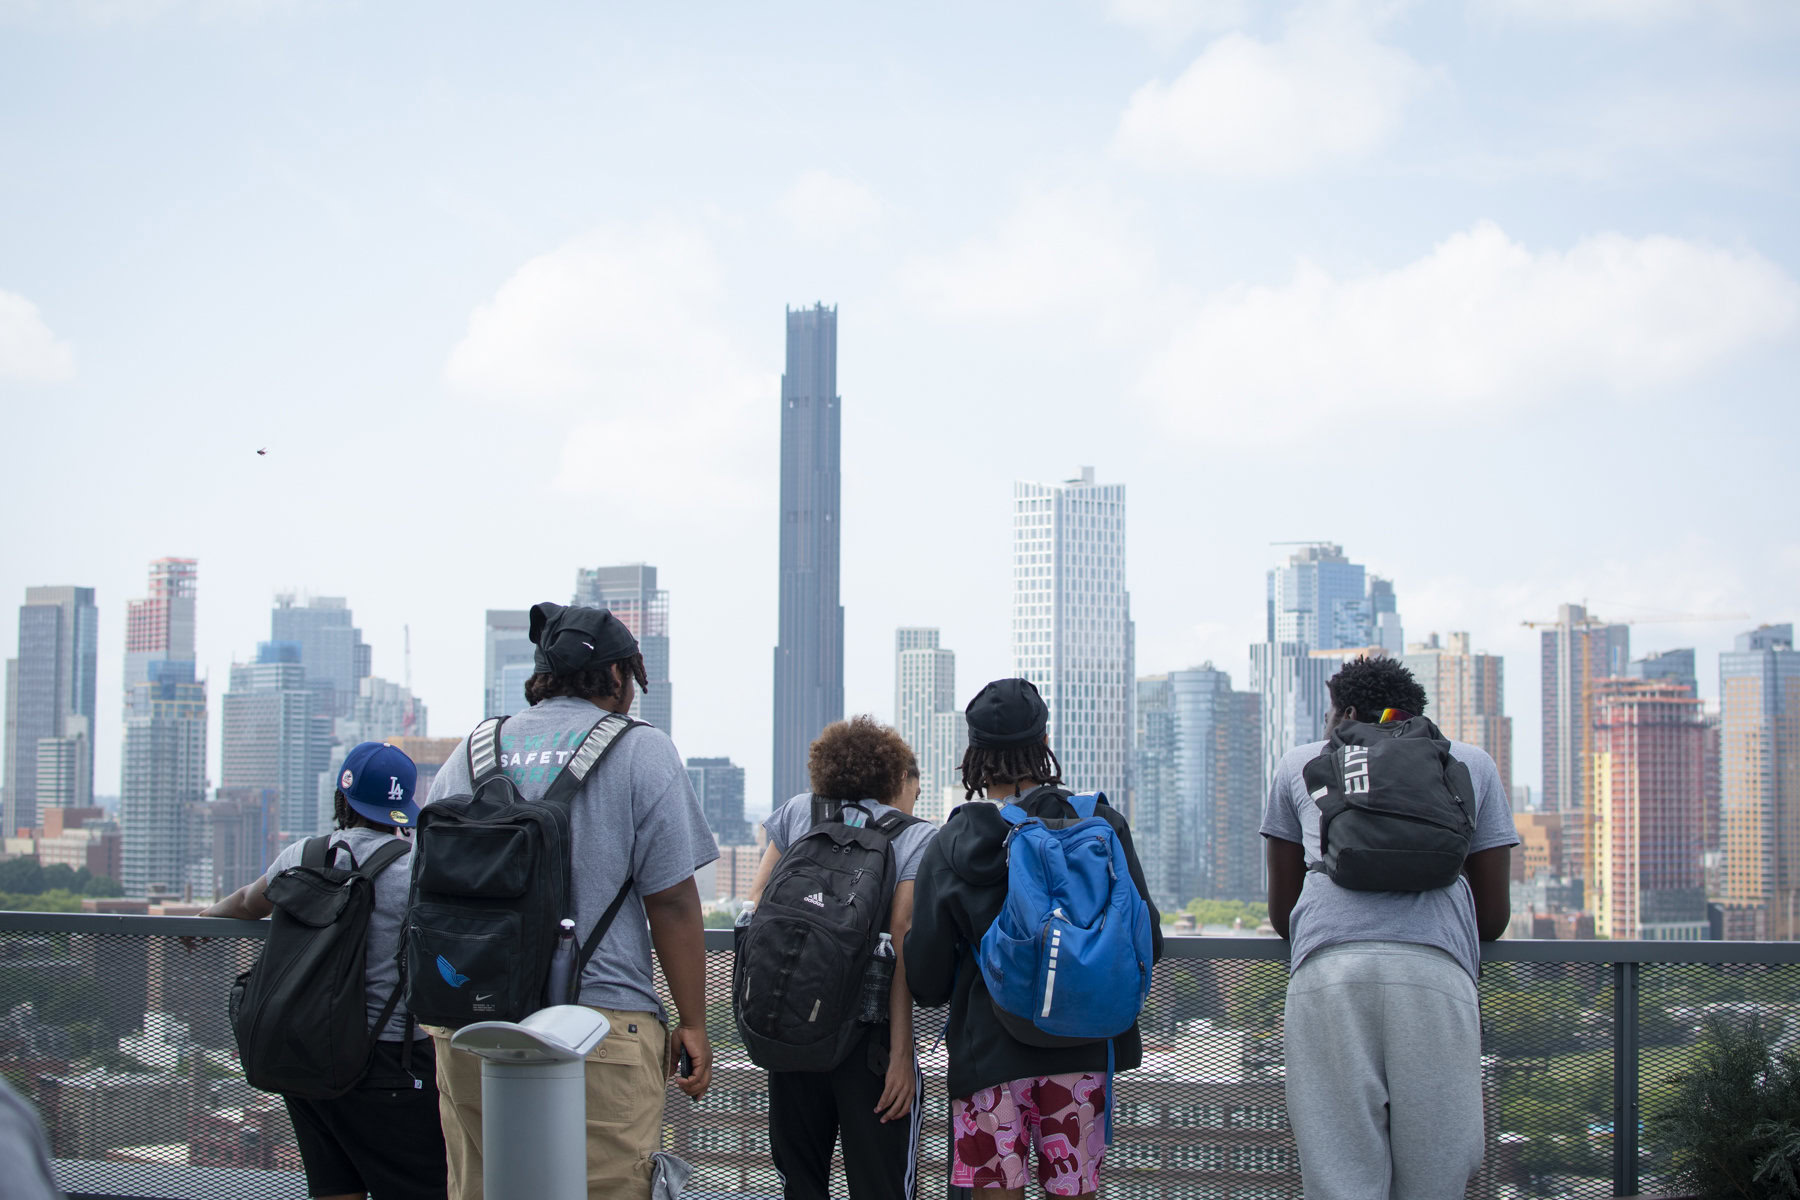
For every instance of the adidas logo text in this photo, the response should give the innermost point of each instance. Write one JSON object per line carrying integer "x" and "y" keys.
{"x": 817, "y": 898}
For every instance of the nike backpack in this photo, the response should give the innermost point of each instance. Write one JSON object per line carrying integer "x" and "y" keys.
{"x": 1068, "y": 959}
{"x": 1396, "y": 808}
{"x": 300, "y": 1015}
{"x": 490, "y": 885}
{"x": 796, "y": 980}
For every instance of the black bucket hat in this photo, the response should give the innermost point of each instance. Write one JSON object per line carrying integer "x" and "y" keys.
{"x": 1007, "y": 712}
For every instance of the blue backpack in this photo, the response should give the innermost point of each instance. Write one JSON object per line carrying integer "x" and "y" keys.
{"x": 1068, "y": 959}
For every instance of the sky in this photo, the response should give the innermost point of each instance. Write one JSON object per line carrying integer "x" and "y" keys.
{"x": 1501, "y": 295}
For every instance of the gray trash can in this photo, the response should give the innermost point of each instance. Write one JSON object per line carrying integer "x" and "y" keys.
{"x": 534, "y": 1101}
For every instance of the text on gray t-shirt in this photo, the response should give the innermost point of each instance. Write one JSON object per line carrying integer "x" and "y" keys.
{"x": 636, "y": 817}
{"x": 1328, "y": 914}
{"x": 381, "y": 970}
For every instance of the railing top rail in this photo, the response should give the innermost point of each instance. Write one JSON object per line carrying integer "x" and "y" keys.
{"x": 1175, "y": 946}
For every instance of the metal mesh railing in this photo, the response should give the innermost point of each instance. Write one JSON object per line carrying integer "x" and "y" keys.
{"x": 115, "y": 1028}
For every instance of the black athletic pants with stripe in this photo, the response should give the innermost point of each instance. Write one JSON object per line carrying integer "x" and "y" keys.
{"x": 809, "y": 1111}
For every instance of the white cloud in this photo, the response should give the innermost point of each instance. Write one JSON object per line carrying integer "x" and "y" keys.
{"x": 1058, "y": 249}
{"x": 1326, "y": 90}
{"x": 616, "y": 345}
{"x": 1640, "y": 14}
{"x": 827, "y": 207}
{"x": 28, "y": 350}
{"x": 1175, "y": 19}
{"x": 1478, "y": 326}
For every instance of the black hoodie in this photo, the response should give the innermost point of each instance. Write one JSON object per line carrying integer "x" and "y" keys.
{"x": 960, "y": 890}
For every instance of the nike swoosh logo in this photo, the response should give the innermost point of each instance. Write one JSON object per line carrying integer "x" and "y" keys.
{"x": 480, "y": 996}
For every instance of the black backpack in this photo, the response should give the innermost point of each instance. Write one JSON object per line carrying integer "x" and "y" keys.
{"x": 300, "y": 1015}
{"x": 490, "y": 884}
{"x": 796, "y": 981}
{"x": 1396, "y": 808}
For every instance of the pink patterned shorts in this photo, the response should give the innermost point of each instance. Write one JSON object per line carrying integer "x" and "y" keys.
{"x": 1062, "y": 1116}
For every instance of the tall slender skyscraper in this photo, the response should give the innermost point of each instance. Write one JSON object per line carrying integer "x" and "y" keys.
{"x": 50, "y": 695}
{"x": 927, "y": 715}
{"x": 1759, "y": 768}
{"x": 630, "y": 592}
{"x": 719, "y": 785}
{"x": 163, "y": 773}
{"x": 809, "y": 652}
{"x": 1072, "y": 634}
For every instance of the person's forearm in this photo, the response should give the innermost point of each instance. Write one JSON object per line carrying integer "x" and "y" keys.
{"x": 240, "y": 905}
{"x": 677, "y": 931}
{"x": 900, "y": 1004}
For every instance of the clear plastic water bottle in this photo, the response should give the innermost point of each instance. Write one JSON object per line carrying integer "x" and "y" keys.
{"x": 740, "y": 926}
{"x": 878, "y": 980}
{"x": 560, "y": 987}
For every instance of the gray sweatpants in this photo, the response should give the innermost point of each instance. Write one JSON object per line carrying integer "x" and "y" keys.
{"x": 1384, "y": 1072}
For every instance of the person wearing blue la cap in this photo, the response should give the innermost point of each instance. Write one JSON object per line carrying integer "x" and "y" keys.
{"x": 383, "y": 1137}
{"x": 377, "y": 781}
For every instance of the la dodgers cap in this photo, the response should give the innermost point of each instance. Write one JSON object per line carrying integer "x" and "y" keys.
{"x": 378, "y": 780}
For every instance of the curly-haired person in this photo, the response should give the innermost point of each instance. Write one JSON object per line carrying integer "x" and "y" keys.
{"x": 870, "y": 1099}
{"x": 1383, "y": 1033}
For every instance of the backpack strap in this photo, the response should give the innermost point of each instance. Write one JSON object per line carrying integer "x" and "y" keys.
{"x": 587, "y": 758}
{"x": 1085, "y": 804}
{"x": 317, "y": 851}
{"x": 824, "y": 809}
{"x": 484, "y": 752}
{"x": 895, "y": 821}
{"x": 599, "y": 931}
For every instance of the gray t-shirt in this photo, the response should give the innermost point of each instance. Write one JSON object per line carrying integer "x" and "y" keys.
{"x": 382, "y": 972}
{"x": 637, "y": 817}
{"x": 1327, "y": 914}
{"x": 789, "y": 823}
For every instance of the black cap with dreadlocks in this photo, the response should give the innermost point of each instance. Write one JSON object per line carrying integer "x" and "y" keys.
{"x": 1007, "y": 719}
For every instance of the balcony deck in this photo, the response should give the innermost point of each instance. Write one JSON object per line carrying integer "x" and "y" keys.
{"x": 115, "y": 1027}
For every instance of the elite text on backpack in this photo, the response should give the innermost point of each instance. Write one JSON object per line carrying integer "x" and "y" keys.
{"x": 796, "y": 982}
{"x": 300, "y": 1015}
{"x": 1396, "y": 808}
{"x": 490, "y": 885}
{"x": 1068, "y": 958}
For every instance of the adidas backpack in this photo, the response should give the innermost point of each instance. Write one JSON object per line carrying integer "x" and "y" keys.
{"x": 300, "y": 1015}
{"x": 1068, "y": 959}
{"x": 490, "y": 885}
{"x": 1396, "y": 808}
{"x": 796, "y": 981}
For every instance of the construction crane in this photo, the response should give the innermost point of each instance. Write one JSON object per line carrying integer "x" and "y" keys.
{"x": 1590, "y": 621}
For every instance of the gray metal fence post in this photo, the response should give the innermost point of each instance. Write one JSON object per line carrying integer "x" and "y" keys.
{"x": 1625, "y": 1078}
{"x": 534, "y": 1101}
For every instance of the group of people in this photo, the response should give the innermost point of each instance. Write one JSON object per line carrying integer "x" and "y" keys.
{"x": 1382, "y": 1033}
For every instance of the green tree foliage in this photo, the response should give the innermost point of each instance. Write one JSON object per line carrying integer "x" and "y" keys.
{"x": 21, "y": 875}
{"x": 1224, "y": 912}
{"x": 24, "y": 877}
{"x": 56, "y": 901}
{"x": 722, "y": 919}
{"x": 1733, "y": 1124}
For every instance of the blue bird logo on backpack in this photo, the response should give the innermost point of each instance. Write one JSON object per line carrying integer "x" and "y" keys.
{"x": 451, "y": 976}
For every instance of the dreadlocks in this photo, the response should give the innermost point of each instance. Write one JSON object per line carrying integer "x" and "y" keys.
{"x": 594, "y": 683}
{"x": 985, "y": 766}
{"x": 348, "y": 818}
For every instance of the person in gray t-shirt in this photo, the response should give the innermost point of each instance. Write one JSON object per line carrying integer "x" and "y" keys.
{"x": 870, "y": 1099}
{"x": 635, "y": 819}
{"x": 1382, "y": 1029}
{"x": 383, "y": 1135}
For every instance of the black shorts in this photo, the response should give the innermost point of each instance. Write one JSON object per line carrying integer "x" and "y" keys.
{"x": 382, "y": 1138}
